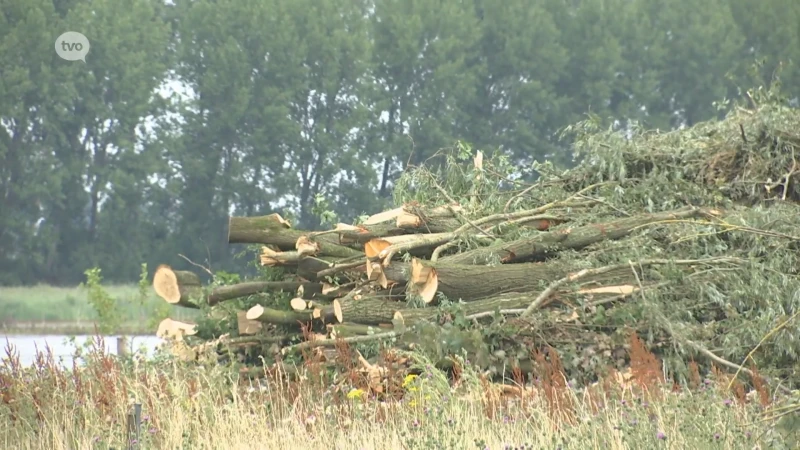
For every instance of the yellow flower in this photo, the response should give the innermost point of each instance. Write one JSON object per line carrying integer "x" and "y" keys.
{"x": 356, "y": 394}
{"x": 409, "y": 379}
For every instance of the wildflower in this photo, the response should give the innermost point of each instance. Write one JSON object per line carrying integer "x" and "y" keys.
{"x": 450, "y": 421}
{"x": 356, "y": 394}
{"x": 661, "y": 436}
{"x": 415, "y": 423}
{"x": 152, "y": 430}
{"x": 409, "y": 379}
{"x": 727, "y": 402}
{"x": 716, "y": 436}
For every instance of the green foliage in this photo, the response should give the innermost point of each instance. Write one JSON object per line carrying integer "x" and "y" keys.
{"x": 101, "y": 301}
{"x": 99, "y": 171}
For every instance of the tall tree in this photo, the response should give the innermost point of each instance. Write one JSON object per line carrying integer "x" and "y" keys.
{"x": 519, "y": 60}
{"x": 422, "y": 79}
{"x": 70, "y": 123}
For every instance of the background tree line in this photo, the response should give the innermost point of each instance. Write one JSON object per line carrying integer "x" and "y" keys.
{"x": 191, "y": 110}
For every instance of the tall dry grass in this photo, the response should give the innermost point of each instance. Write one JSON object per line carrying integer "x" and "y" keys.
{"x": 198, "y": 406}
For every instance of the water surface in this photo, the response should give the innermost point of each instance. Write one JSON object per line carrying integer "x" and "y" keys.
{"x": 27, "y": 345}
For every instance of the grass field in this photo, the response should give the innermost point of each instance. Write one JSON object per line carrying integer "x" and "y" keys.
{"x": 47, "y": 309}
{"x": 212, "y": 407}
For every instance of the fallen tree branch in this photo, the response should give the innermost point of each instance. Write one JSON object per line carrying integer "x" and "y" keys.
{"x": 332, "y": 342}
{"x": 542, "y": 298}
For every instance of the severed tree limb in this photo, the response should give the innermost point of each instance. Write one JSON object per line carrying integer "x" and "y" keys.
{"x": 537, "y": 221}
{"x": 336, "y": 268}
{"x": 328, "y": 314}
{"x": 553, "y": 204}
{"x": 544, "y": 244}
{"x": 332, "y": 342}
{"x": 542, "y": 298}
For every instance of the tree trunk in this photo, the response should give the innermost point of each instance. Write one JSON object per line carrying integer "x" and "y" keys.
{"x": 468, "y": 283}
{"x": 372, "y": 311}
{"x": 184, "y": 288}
{"x": 274, "y": 230}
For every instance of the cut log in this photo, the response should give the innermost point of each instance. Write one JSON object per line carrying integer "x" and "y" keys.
{"x": 460, "y": 282}
{"x": 260, "y": 230}
{"x": 274, "y": 230}
{"x": 233, "y": 291}
{"x": 323, "y": 291}
{"x": 337, "y": 311}
{"x": 307, "y": 247}
{"x": 372, "y": 311}
{"x": 298, "y": 304}
{"x": 247, "y": 326}
{"x": 272, "y": 258}
{"x": 384, "y": 216}
{"x": 278, "y": 317}
{"x": 468, "y": 283}
{"x": 439, "y": 219}
{"x": 540, "y": 246}
{"x": 360, "y": 234}
{"x": 310, "y": 266}
{"x": 173, "y": 329}
{"x": 177, "y": 287}
{"x": 354, "y": 329}
{"x": 183, "y": 288}
{"x": 417, "y": 244}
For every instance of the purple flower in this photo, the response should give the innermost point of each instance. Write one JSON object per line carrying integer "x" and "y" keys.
{"x": 415, "y": 423}
{"x": 145, "y": 418}
{"x": 624, "y": 402}
{"x": 152, "y": 430}
{"x": 661, "y": 436}
{"x": 727, "y": 402}
{"x": 716, "y": 436}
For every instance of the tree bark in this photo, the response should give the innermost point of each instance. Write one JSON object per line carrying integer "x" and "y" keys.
{"x": 183, "y": 288}
{"x": 372, "y": 311}
{"x": 274, "y": 230}
{"x": 223, "y": 293}
{"x": 463, "y": 282}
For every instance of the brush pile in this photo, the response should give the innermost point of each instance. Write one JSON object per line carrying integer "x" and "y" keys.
{"x": 690, "y": 239}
